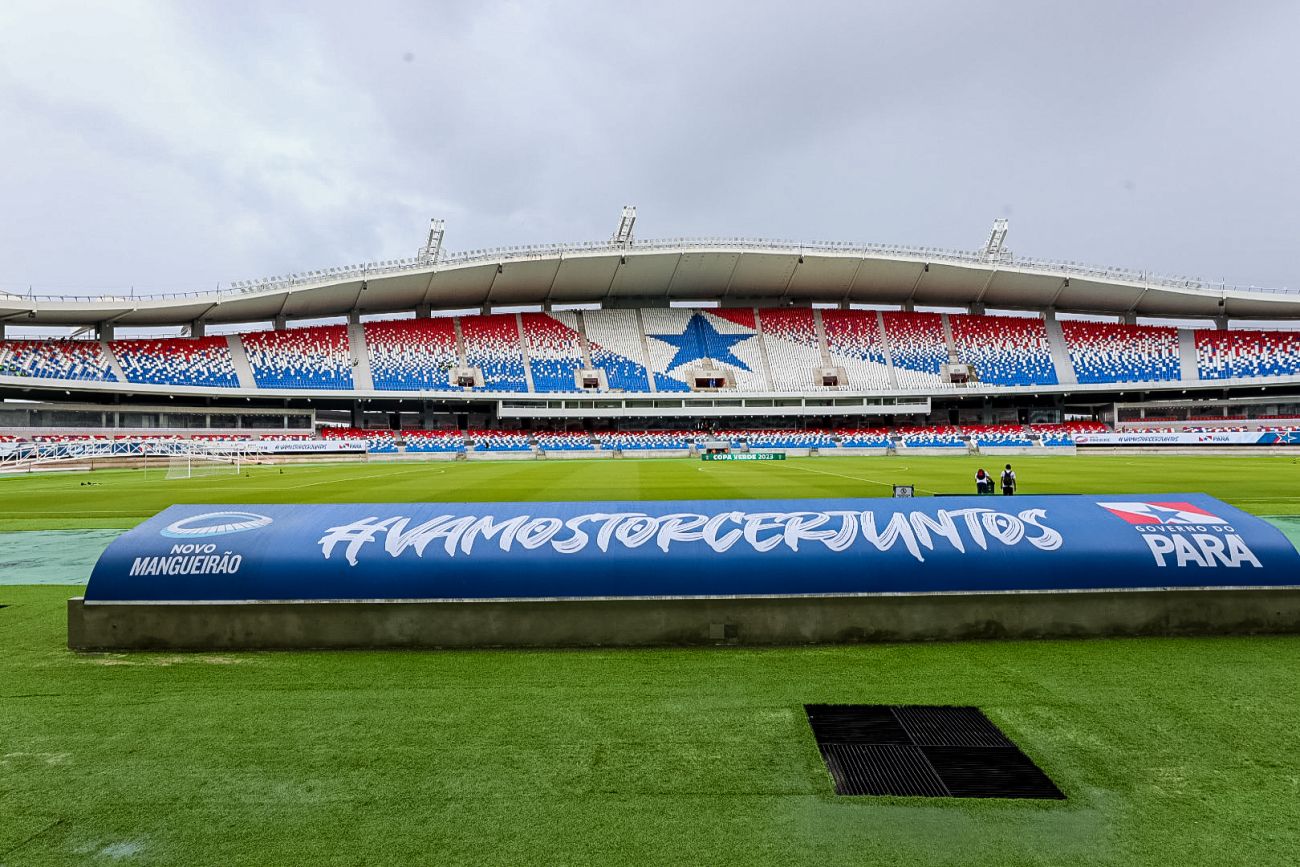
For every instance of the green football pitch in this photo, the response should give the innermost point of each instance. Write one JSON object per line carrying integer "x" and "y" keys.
{"x": 1262, "y": 485}
{"x": 1178, "y": 750}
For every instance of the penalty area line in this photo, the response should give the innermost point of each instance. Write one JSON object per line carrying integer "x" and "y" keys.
{"x": 336, "y": 481}
{"x": 854, "y": 478}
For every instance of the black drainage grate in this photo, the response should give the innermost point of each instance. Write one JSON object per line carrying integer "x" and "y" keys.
{"x": 927, "y": 751}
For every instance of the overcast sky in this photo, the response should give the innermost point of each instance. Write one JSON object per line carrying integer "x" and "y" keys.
{"x": 178, "y": 145}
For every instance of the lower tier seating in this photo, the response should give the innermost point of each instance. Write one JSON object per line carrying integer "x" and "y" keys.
{"x": 499, "y": 441}
{"x": 863, "y": 437}
{"x": 434, "y": 440}
{"x": 997, "y": 435}
{"x": 646, "y": 440}
{"x": 932, "y": 437}
{"x": 565, "y": 441}
{"x": 377, "y": 441}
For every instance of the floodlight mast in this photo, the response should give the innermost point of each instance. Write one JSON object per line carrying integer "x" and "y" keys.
{"x": 623, "y": 235}
{"x": 432, "y": 248}
{"x": 993, "y": 249}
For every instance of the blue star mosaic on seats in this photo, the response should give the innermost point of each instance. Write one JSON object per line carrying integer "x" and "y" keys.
{"x": 701, "y": 340}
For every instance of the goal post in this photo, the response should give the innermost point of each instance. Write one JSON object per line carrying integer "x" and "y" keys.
{"x": 198, "y": 465}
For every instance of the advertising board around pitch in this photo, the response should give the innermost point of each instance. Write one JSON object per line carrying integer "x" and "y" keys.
{"x": 692, "y": 549}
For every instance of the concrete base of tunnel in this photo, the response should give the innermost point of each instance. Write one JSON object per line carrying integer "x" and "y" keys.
{"x": 680, "y": 621}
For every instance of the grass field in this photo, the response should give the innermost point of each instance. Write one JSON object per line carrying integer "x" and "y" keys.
{"x": 1262, "y": 485}
{"x": 1168, "y": 750}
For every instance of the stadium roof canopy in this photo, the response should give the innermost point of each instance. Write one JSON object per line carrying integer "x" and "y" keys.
{"x": 736, "y": 271}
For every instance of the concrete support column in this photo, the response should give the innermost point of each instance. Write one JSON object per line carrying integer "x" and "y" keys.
{"x": 1049, "y": 315}
{"x": 486, "y": 308}
{"x": 104, "y": 330}
{"x": 1221, "y": 323}
{"x": 424, "y": 311}
{"x": 198, "y": 328}
{"x": 975, "y": 309}
{"x": 278, "y": 323}
{"x": 354, "y": 317}
{"x": 909, "y": 307}
{"x": 2, "y": 331}
{"x": 1129, "y": 318}
{"x": 357, "y": 414}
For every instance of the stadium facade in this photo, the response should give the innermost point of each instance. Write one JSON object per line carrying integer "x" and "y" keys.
{"x": 677, "y": 333}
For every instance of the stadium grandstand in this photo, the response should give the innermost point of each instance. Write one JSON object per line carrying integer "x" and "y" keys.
{"x": 654, "y": 347}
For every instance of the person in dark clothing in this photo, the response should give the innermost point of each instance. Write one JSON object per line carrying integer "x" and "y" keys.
{"x": 1008, "y": 481}
{"x": 983, "y": 482}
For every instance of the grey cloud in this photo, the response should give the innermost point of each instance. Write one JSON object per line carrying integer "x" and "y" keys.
{"x": 1153, "y": 135}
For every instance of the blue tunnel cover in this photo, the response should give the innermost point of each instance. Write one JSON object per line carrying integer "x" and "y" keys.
{"x": 691, "y": 548}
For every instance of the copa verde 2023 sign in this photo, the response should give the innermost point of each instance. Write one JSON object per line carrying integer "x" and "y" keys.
{"x": 690, "y": 548}
{"x": 744, "y": 456}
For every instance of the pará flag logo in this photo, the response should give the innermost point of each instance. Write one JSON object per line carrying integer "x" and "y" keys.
{"x": 1162, "y": 513}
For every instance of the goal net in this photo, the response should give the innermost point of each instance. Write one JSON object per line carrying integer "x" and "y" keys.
{"x": 192, "y": 465}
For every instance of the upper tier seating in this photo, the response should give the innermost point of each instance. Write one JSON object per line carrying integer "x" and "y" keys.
{"x": 1112, "y": 352}
{"x": 565, "y": 441}
{"x": 681, "y": 340}
{"x": 492, "y": 345}
{"x": 614, "y": 340}
{"x": 1228, "y": 354}
{"x": 917, "y": 345}
{"x": 1004, "y": 350}
{"x": 80, "y": 360}
{"x": 854, "y": 342}
{"x": 663, "y": 349}
{"x": 863, "y": 437}
{"x": 434, "y": 440}
{"x": 932, "y": 437}
{"x": 554, "y": 350}
{"x": 203, "y": 361}
{"x": 412, "y": 354}
{"x": 790, "y": 337}
{"x": 315, "y": 357}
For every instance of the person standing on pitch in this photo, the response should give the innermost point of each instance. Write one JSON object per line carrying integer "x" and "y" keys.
{"x": 1008, "y": 481}
{"x": 983, "y": 482}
